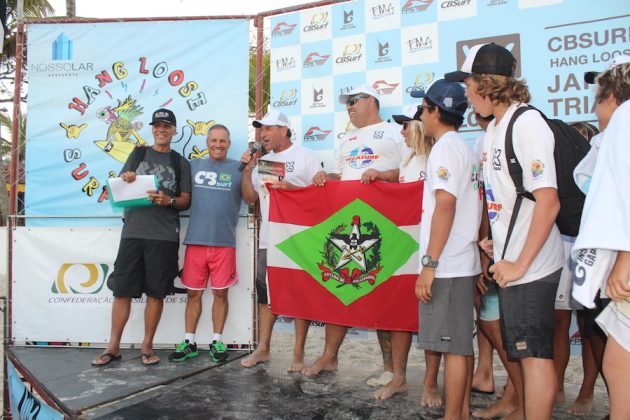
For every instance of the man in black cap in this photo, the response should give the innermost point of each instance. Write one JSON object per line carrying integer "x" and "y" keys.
{"x": 147, "y": 256}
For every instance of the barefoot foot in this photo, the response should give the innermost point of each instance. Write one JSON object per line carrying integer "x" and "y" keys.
{"x": 258, "y": 356}
{"x": 390, "y": 390}
{"x": 581, "y": 407}
{"x": 431, "y": 398}
{"x": 297, "y": 365}
{"x": 382, "y": 380}
{"x": 324, "y": 363}
{"x": 498, "y": 409}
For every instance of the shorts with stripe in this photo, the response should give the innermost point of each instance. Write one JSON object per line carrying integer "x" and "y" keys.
{"x": 262, "y": 296}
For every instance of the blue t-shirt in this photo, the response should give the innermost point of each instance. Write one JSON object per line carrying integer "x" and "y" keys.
{"x": 216, "y": 201}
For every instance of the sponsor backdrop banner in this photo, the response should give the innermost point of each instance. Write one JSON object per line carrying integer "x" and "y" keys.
{"x": 92, "y": 90}
{"x": 399, "y": 46}
{"x": 61, "y": 294}
{"x": 350, "y": 248}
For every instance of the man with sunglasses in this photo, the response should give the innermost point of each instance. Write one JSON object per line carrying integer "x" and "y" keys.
{"x": 372, "y": 149}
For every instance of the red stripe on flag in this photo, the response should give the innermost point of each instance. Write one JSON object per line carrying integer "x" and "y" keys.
{"x": 392, "y": 306}
{"x": 311, "y": 205}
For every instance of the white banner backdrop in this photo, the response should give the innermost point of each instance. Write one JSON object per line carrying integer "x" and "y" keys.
{"x": 60, "y": 293}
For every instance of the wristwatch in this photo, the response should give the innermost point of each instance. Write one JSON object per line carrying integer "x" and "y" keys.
{"x": 173, "y": 202}
{"x": 429, "y": 262}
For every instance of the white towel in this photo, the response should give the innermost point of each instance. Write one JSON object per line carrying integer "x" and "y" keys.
{"x": 583, "y": 171}
{"x": 605, "y": 226}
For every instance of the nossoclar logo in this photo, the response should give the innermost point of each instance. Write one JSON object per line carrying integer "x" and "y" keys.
{"x": 415, "y": 6}
{"x": 62, "y": 48}
{"x": 282, "y": 29}
{"x": 421, "y": 82}
{"x": 384, "y": 88}
{"x": 351, "y": 53}
{"x": 319, "y": 21}
{"x": 80, "y": 278}
{"x": 288, "y": 97}
{"x": 315, "y": 59}
{"x": 316, "y": 134}
{"x": 511, "y": 42}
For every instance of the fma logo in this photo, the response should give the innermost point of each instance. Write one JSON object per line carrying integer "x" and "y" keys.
{"x": 421, "y": 82}
{"x": 62, "y": 48}
{"x": 288, "y": 97}
{"x": 384, "y": 88}
{"x": 415, "y": 6}
{"x": 383, "y": 10}
{"x": 419, "y": 43}
{"x": 315, "y": 60}
{"x": 319, "y": 21}
{"x": 282, "y": 29}
{"x": 285, "y": 63}
{"x": 80, "y": 279}
{"x": 351, "y": 53}
{"x": 316, "y": 134}
{"x": 512, "y": 42}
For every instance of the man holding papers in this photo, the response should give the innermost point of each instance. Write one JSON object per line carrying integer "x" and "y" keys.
{"x": 147, "y": 256}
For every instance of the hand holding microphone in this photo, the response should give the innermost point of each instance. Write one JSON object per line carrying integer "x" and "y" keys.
{"x": 247, "y": 156}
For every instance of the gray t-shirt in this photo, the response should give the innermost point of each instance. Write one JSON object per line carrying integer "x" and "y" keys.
{"x": 159, "y": 223}
{"x": 216, "y": 200}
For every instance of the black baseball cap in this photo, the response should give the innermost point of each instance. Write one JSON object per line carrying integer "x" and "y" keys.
{"x": 164, "y": 115}
{"x": 485, "y": 59}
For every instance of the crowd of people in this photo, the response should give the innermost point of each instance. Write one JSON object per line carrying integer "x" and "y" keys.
{"x": 480, "y": 237}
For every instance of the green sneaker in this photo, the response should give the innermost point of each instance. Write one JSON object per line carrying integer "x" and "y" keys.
{"x": 184, "y": 351}
{"x": 218, "y": 351}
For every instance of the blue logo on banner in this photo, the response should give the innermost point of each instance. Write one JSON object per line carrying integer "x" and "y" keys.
{"x": 62, "y": 48}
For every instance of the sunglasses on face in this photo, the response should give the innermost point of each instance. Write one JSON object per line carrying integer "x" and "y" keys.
{"x": 355, "y": 99}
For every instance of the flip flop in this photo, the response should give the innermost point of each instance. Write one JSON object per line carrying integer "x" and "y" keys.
{"x": 479, "y": 391}
{"x": 107, "y": 358}
{"x": 148, "y": 359}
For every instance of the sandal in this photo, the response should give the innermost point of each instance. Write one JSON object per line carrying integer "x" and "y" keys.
{"x": 105, "y": 359}
{"x": 148, "y": 359}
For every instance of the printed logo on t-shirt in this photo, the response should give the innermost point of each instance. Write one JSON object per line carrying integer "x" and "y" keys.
{"x": 496, "y": 162}
{"x": 443, "y": 174}
{"x": 379, "y": 134}
{"x": 212, "y": 180}
{"x": 537, "y": 168}
{"x": 361, "y": 157}
{"x": 494, "y": 208}
{"x": 289, "y": 166}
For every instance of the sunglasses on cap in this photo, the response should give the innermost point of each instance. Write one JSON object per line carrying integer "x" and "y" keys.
{"x": 355, "y": 99}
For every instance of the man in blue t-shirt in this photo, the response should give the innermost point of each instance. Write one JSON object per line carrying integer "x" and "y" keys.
{"x": 211, "y": 241}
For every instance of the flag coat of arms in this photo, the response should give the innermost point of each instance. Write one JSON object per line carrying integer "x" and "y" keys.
{"x": 346, "y": 253}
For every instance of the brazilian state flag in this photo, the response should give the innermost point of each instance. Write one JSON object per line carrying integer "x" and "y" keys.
{"x": 346, "y": 253}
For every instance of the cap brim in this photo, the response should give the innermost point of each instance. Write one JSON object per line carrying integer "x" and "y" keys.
{"x": 163, "y": 121}
{"x": 418, "y": 94}
{"x": 256, "y": 124}
{"x": 590, "y": 76}
{"x": 400, "y": 119}
{"x": 456, "y": 76}
{"x": 343, "y": 99}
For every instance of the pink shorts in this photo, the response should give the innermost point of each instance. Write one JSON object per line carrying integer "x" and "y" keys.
{"x": 215, "y": 262}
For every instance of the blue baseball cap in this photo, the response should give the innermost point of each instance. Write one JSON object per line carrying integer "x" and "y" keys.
{"x": 448, "y": 96}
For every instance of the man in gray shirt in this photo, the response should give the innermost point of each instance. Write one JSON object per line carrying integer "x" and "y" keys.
{"x": 211, "y": 241}
{"x": 147, "y": 256}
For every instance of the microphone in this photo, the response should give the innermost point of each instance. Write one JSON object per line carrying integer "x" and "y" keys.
{"x": 252, "y": 152}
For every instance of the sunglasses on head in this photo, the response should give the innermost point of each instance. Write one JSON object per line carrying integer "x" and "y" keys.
{"x": 353, "y": 100}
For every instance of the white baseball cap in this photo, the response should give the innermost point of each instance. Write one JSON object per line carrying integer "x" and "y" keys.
{"x": 273, "y": 117}
{"x": 590, "y": 76}
{"x": 367, "y": 89}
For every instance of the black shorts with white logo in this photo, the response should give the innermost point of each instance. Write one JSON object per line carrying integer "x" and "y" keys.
{"x": 527, "y": 317}
{"x": 145, "y": 266}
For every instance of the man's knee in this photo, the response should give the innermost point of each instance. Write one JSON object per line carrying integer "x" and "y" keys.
{"x": 194, "y": 295}
{"x": 220, "y": 294}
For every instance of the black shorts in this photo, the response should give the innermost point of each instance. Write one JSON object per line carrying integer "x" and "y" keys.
{"x": 527, "y": 317}
{"x": 261, "y": 277}
{"x": 591, "y": 328}
{"x": 145, "y": 266}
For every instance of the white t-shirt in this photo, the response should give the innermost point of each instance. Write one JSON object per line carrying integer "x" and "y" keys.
{"x": 533, "y": 145}
{"x": 413, "y": 170}
{"x": 450, "y": 168}
{"x": 375, "y": 146}
{"x": 301, "y": 165}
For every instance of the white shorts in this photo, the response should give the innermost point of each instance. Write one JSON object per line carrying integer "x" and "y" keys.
{"x": 564, "y": 300}
{"x": 615, "y": 321}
